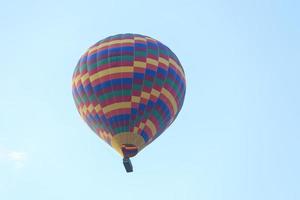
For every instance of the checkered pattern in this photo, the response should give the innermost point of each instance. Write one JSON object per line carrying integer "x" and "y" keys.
{"x": 128, "y": 88}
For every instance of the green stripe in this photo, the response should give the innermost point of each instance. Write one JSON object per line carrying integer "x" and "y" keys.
{"x": 173, "y": 85}
{"x": 110, "y": 59}
{"x": 152, "y": 51}
{"x": 116, "y": 93}
{"x": 140, "y": 53}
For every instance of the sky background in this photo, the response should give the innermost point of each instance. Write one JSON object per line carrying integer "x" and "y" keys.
{"x": 236, "y": 138}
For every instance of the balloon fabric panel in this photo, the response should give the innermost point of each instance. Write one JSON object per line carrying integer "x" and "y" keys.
{"x": 128, "y": 88}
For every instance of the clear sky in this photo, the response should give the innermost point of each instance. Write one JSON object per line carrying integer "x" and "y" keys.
{"x": 236, "y": 138}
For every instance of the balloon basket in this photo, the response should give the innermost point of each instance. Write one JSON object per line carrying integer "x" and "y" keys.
{"x": 127, "y": 165}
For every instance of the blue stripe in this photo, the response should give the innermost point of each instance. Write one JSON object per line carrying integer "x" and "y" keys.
{"x": 105, "y": 52}
{"x": 165, "y": 108}
{"x": 141, "y": 107}
{"x": 150, "y": 72}
{"x": 133, "y": 111}
{"x": 116, "y": 118}
{"x": 140, "y": 45}
{"x": 128, "y": 48}
{"x": 88, "y": 88}
{"x": 109, "y": 83}
{"x": 160, "y": 70}
{"x": 91, "y": 57}
{"x": 114, "y": 50}
{"x": 144, "y": 135}
{"x": 138, "y": 75}
{"x": 151, "y": 45}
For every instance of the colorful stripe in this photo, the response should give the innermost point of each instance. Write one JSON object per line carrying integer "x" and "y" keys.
{"x": 128, "y": 88}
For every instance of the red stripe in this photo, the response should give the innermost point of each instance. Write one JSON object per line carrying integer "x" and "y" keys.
{"x": 118, "y": 112}
{"x": 139, "y": 70}
{"x": 153, "y": 98}
{"x": 143, "y": 101}
{"x": 173, "y": 92}
{"x": 136, "y": 93}
{"x": 111, "y": 77}
{"x": 149, "y": 132}
{"x": 111, "y": 46}
{"x": 154, "y": 57}
{"x": 146, "y": 89}
{"x": 167, "y": 102}
{"x": 141, "y": 59}
{"x": 152, "y": 67}
{"x": 177, "y": 71}
{"x": 164, "y": 56}
{"x": 154, "y": 121}
{"x": 156, "y": 87}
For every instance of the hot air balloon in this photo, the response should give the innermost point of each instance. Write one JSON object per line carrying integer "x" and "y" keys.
{"x": 128, "y": 88}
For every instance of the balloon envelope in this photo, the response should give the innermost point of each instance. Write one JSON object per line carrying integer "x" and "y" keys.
{"x": 128, "y": 88}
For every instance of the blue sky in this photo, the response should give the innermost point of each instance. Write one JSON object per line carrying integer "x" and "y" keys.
{"x": 237, "y": 136}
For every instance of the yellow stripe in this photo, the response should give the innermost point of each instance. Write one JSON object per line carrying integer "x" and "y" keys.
{"x": 174, "y": 63}
{"x": 140, "y": 38}
{"x": 135, "y": 99}
{"x": 98, "y": 108}
{"x": 164, "y": 61}
{"x": 145, "y": 95}
{"x": 80, "y": 111}
{"x": 135, "y": 129}
{"x": 139, "y": 64}
{"x": 171, "y": 99}
{"x": 152, "y": 127}
{"x": 149, "y": 38}
{"x": 125, "y": 138}
{"x": 114, "y": 70}
{"x": 76, "y": 79}
{"x": 155, "y": 92}
{"x": 142, "y": 126}
{"x": 105, "y": 136}
{"x": 111, "y": 43}
{"x": 91, "y": 108}
{"x": 116, "y": 106}
{"x": 152, "y": 61}
{"x": 84, "y": 109}
{"x": 101, "y": 135}
{"x": 84, "y": 77}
